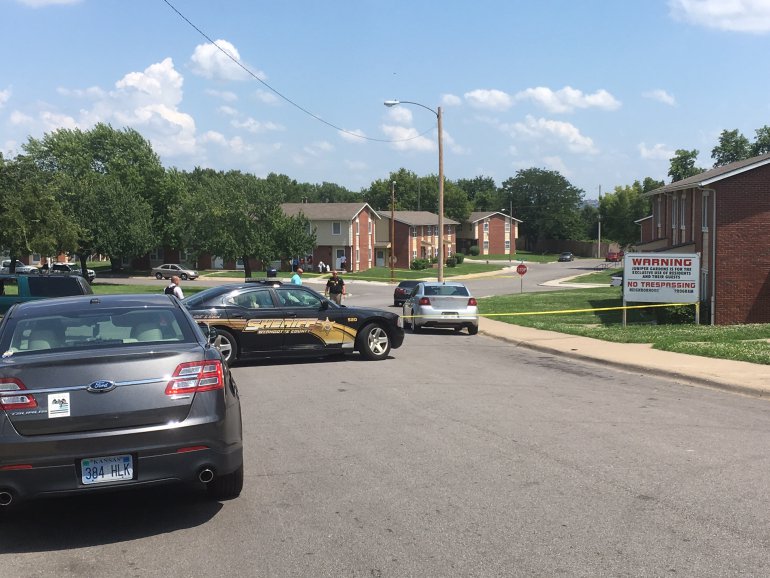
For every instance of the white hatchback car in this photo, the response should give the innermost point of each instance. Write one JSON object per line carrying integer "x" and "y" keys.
{"x": 445, "y": 304}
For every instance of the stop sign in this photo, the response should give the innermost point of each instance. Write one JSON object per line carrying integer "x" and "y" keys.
{"x": 521, "y": 269}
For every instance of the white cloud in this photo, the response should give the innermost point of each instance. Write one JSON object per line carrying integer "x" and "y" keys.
{"x": 406, "y": 138}
{"x": 400, "y": 114}
{"x": 354, "y": 135}
{"x": 91, "y": 92}
{"x": 266, "y": 96}
{"x": 661, "y": 96}
{"x": 5, "y": 96}
{"x": 556, "y": 163}
{"x": 451, "y": 100}
{"x": 318, "y": 148}
{"x": 657, "y": 152}
{"x": 224, "y": 95}
{"x": 18, "y": 118}
{"x": 734, "y": 15}
{"x": 227, "y": 110}
{"x": 489, "y": 99}
{"x": 210, "y": 61}
{"x": 256, "y": 126}
{"x": 562, "y": 133}
{"x": 44, "y": 3}
{"x": 356, "y": 166}
{"x": 568, "y": 99}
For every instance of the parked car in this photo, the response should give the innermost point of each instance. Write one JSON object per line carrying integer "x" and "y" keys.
{"x": 402, "y": 290}
{"x": 566, "y": 256}
{"x": 72, "y": 269}
{"x": 114, "y": 392}
{"x": 20, "y": 288}
{"x": 21, "y": 268}
{"x": 445, "y": 304}
{"x": 168, "y": 270}
{"x": 266, "y": 318}
{"x": 614, "y": 257}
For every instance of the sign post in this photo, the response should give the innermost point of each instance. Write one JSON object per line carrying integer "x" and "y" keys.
{"x": 521, "y": 269}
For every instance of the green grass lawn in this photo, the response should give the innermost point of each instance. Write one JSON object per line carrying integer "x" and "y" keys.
{"x": 593, "y": 312}
{"x": 518, "y": 257}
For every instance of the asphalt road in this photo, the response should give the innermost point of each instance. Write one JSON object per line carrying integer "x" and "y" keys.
{"x": 458, "y": 456}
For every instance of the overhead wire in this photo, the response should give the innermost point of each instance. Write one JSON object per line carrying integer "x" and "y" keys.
{"x": 282, "y": 96}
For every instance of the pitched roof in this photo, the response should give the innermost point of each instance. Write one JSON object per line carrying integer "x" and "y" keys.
{"x": 326, "y": 211}
{"x": 416, "y": 218}
{"x": 713, "y": 175}
{"x": 477, "y": 216}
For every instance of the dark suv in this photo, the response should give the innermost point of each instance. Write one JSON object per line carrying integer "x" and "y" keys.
{"x": 270, "y": 319}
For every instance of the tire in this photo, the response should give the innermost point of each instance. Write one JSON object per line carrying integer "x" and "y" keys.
{"x": 374, "y": 342}
{"x": 158, "y": 275}
{"x": 228, "y": 345}
{"x": 473, "y": 329}
{"x": 183, "y": 276}
{"x": 226, "y": 487}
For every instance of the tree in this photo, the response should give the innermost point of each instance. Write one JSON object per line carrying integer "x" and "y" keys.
{"x": 482, "y": 193}
{"x": 619, "y": 209}
{"x": 733, "y": 146}
{"x": 761, "y": 144}
{"x": 547, "y": 203}
{"x": 32, "y": 220}
{"x": 75, "y": 164}
{"x": 683, "y": 165}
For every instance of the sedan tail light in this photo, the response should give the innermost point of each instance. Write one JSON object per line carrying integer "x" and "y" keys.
{"x": 472, "y": 302}
{"x": 424, "y": 301}
{"x": 12, "y": 396}
{"x": 196, "y": 376}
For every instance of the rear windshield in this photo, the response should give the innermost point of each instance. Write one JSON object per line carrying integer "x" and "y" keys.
{"x": 88, "y": 329}
{"x": 446, "y": 290}
{"x": 57, "y": 286}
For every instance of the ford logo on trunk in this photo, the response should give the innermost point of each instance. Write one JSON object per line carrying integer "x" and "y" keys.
{"x": 101, "y": 386}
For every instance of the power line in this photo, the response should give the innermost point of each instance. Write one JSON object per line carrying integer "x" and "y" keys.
{"x": 278, "y": 93}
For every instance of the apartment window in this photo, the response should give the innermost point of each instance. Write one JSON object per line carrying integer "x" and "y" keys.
{"x": 336, "y": 228}
{"x": 486, "y": 226}
{"x": 414, "y": 254}
{"x": 157, "y": 254}
{"x": 486, "y": 246}
{"x": 413, "y": 231}
{"x": 507, "y": 245}
{"x": 674, "y": 212}
{"x": 370, "y": 254}
{"x": 507, "y": 225}
{"x": 357, "y": 228}
{"x": 682, "y": 211}
{"x": 369, "y": 227}
{"x": 704, "y": 217}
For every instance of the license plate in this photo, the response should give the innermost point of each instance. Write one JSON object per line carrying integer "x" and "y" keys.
{"x": 107, "y": 469}
{"x": 450, "y": 313}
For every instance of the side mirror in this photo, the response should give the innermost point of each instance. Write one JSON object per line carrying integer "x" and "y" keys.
{"x": 210, "y": 332}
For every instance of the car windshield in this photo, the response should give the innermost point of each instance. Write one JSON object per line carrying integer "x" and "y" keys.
{"x": 205, "y": 295}
{"x": 86, "y": 330}
{"x": 446, "y": 290}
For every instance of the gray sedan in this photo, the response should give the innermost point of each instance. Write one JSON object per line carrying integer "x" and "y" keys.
{"x": 168, "y": 270}
{"x": 446, "y": 304}
{"x": 113, "y": 392}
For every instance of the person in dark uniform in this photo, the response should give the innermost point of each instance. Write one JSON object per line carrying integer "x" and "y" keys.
{"x": 335, "y": 288}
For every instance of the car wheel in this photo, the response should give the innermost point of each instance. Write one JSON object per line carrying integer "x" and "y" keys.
{"x": 183, "y": 276}
{"x": 226, "y": 487}
{"x": 415, "y": 327}
{"x": 227, "y": 346}
{"x": 374, "y": 342}
{"x": 473, "y": 329}
{"x": 158, "y": 275}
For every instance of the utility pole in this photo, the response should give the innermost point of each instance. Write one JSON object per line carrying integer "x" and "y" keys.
{"x": 599, "y": 212}
{"x": 392, "y": 231}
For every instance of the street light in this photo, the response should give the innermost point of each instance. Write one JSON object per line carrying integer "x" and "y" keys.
{"x": 392, "y": 231}
{"x": 437, "y": 112}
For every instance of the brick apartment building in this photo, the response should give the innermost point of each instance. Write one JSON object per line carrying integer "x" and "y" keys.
{"x": 494, "y": 233}
{"x": 723, "y": 214}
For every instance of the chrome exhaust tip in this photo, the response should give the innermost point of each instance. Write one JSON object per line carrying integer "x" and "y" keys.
{"x": 206, "y": 475}
{"x": 6, "y": 498}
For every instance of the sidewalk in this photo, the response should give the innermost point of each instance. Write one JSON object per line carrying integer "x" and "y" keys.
{"x": 737, "y": 376}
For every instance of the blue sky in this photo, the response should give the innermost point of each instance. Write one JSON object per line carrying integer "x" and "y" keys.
{"x": 603, "y": 91}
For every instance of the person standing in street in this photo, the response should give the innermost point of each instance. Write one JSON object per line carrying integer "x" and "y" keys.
{"x": 174, "y": 288}
{"x": 296, "y": 279}
{"x": 335, "y": 288}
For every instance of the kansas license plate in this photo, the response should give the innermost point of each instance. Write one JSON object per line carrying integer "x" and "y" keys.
{"x": 107, "y": 469}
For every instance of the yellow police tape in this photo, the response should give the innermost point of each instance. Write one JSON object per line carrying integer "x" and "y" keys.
{"x": 518, "y": 313}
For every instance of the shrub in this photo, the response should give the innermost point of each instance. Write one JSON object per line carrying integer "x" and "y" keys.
{"x": 473, "y": 250}
{"x": 674, "y": 315}
{"x": 460, "y": 258}
{"x": 451, "y": 262}
{"x": 419, "y": 264}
